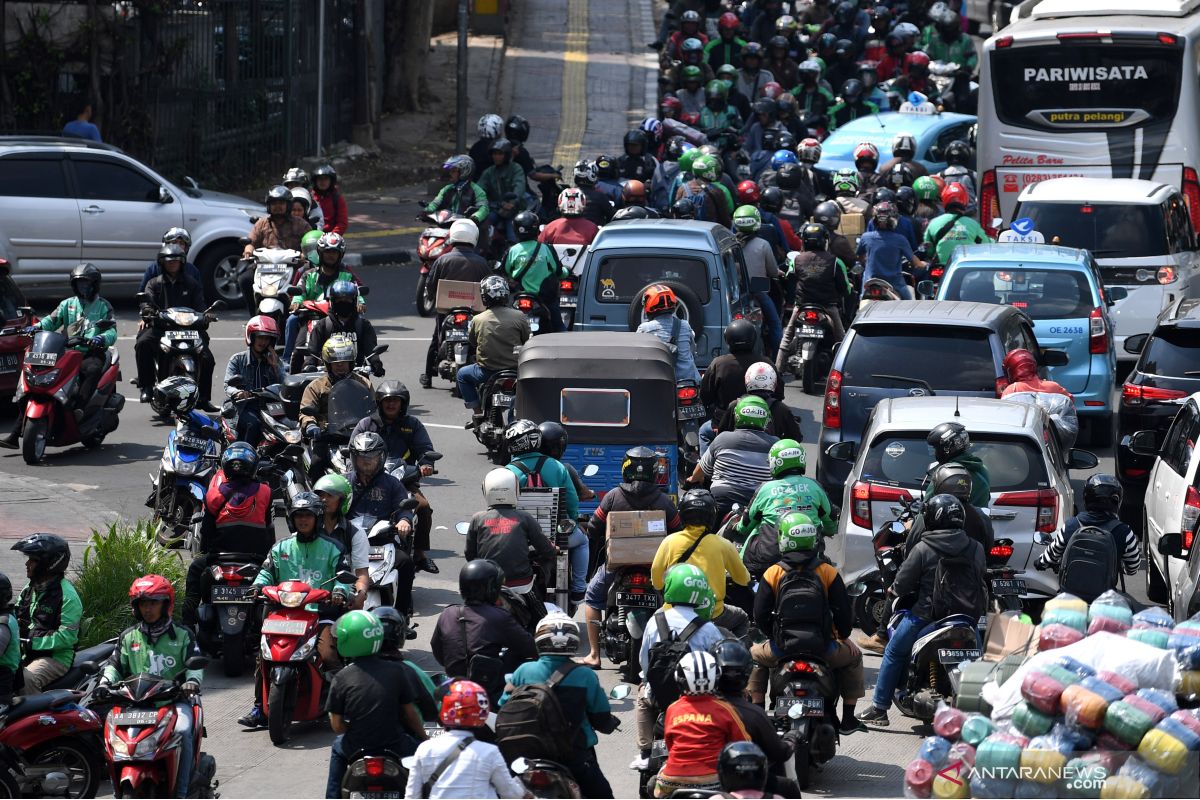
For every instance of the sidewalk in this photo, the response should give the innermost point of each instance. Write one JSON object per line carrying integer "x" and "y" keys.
{"x": 24, "y": 502}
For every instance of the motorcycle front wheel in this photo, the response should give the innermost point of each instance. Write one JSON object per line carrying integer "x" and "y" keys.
{"x": 82, "y": 768}
{"x": 281, "y": 706}
{"x": 425, "y": 299}
{"x": 33, "y": 441}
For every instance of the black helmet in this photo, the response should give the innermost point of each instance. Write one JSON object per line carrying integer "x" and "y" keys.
{"x": 343, "y": 298}
{"x": 325, "y": 171}
{"x": 239, "y": 460}
{"x": 948, "y": 441}
{"x": 504, "y": 147}
{"x": 786, "y": 140}
{"x": 395, "y": 628}
{"x": 521, "y": 437}
{"x": 906, "y": 200}
{"x": 639, "y": 465}
{"x": 480, "y": 580}
{"x": 958, "y": 153}
{"x": 683, "y": 209}
{"x": 844, "y": 14}
{"x": 944, "y": 512}
{"x": 5, "y": 592}
{"x": 741, "y": 336}
{"x": 845, "y": 50}
{"x": 170, "y": 252}
{"x": 765, "y": 105}
{"x": 277, "y": 194}
{"x": 742, "y": 765}
{"x": 772, "y": 199}
{"x": 175, "y": 395}
{"x": 606, "y": 167}
{"x": 517, "y": 128}
{"x": 887, "y": 216}
{"x": 776, "y": 42}
{"x": 306, "y": 503}
{"x": 698, "y": 507}
{"x": 393, "y": 388}
{"x": 1102, "y": 492}
{"x": 952, "y": 478}
{"x": 827, "y": 41}
{"x": 554, "y": 439}
{"x": 51, "y": 552}
{"x": 736, "y": 664}
{"x": 828, "y": 214}
{"x": 631, "y": 212}
{"x": 814, "y": 236}
{"x": 853, "y": 90}
{"x": 85, "y": 281}
{"x": 636, "y": 137}
{"x": 527, "y": 226}
{"x": 883, "y": 193}
{"x": 770, "y": 137}
{"x": 788, "y": 176}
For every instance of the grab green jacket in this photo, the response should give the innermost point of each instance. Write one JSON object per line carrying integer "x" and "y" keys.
{"x": 49, "y": 617}
{"x": 164, "y": 656}
{"x": 506, "y": 179}
{"x": 789, "y": 493}
{"x": 532, "y": 276}
{"x": 73, "y": 318}
{"x": 458, "y": 197}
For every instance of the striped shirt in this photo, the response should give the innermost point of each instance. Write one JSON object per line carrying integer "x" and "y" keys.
{"x": 737, "y": 463}
{"x": 1128, "y": 544}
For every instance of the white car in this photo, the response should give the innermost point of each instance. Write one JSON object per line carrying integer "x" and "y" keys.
{"x": 1031, "y": 487}
{"x": 1172, "y": 497}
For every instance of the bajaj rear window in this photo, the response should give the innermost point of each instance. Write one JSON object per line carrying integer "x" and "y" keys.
{"x": 607, "y": 408}
{"x": 622, "y": 277}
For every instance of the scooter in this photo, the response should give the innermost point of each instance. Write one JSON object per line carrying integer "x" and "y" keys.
{"x": 804, "y": 698}
{"x": 375, "y": 773}
{"x": 689, "y": 413}
{"x": 275, "y": 270}
{"x": 49, "y": 380}
{"x": 454, "y": 351}
{"x": 497, "y": 399}
{"x": 228, "y": 608}
{"x": 632, "y": 601}
{"x": 310, "y": 312}
{"x": 805, "y": 350}
{"x": 871, "y": 605}
{"x": 50, "y": 744}
{"x": 177, "y": 491}
{"x": 545, "y": 778}
{"x": 182, "y": 341}
{"x": 942, "y": 645}
{"x": 384, "y": 541}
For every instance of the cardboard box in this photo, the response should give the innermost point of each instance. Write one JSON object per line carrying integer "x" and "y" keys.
{"x": 852, "y": 225}
{"x": 1007, "y": 634}
{"x": 458, "y": 294}
{"x": 634, "y": 536}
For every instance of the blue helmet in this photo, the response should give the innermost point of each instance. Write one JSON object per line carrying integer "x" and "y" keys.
{"x": 343, "y": 297}
{"x": 240, "y": 460}
{"x": 781, "y": 157}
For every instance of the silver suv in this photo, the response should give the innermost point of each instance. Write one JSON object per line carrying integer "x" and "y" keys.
{"x": 64, "y": 201}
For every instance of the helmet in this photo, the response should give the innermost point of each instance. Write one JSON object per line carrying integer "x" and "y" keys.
{"x": 306, "y": 503}
{"x": 797, "y": 533}
{"x": 904, "y": 144}
{"x": 948, "y": 441}
{"x": 760, "y": 377}
{"x": 844, "y": 50}
{"x": 742, "y": 765}
{"x": 170, "y": 252}
{"x": 331, "y": 242}
{"x": 335, "y": 485}
{"x": 809, "y": 151}
{"x": 814, "y": 236}
{"x": 944, "y": 512}
{"x": 261, "y": 325}
{"x": 85, "y": 282}
{"x": 690, "y": 16}
{"x": 554, "y": 439}
{"x": 175, "y": 395}
{"x": 1019, "y": 365}
{"x": 606, "y": 167}
{"x": 278, "y": 193}
{"x": 772, "y": 199}
{"x": 786, "y": 456}
{"x": 777, "y": 42}
{"x": 917, "y": 62}
{"x": 926, "y": 189}
{"x": 906, "y": 200}
{"x": 752, "y": 50}
{"x": 325, "y": 171}
{"x": 494, "y": 291}
{"x": 670, "y": 106}
{"x": 809, "y": 68}
{"x": 153, "y": 587}
{"x": 299, "y": 193}
{"x": 1102, "y": 492}
{"x": 697, "y": 673}
{"x": 683, "y": 209}
{"x": 308, "y": 245}
{"x": 659, "y": 299}
{"x": 639, "y": 465}
{"x": 652, "y": 127}
{"x": 175, "y": 234}
{"x": 687, "y": 160}
{"x": 635, "y": 138}
{"x": 393, "y": 388}
{"x": 585, "y": 173}
{"x": 395, "y": 627}
{"x": 463, "y": 163}
{"x": 359, "y": 633}
{"x": 829, "y": 214}
{"x": 853, "y": 90}
{"x": 571, "y": 202}
{"x": 685, "y": 584}
{"x": 522, "y": 437}
{"x": 955, "y": 194}
{"x": 748, "y": 192}
{"x": 489, "y": 126}
{"x": 634, "y": 193}
{"x": 787, "y": 25}
{"x": 479, "y": 581}
{"x": 239, "y": 460}
{"x": 751, "y": 411}
{"x": 846, "y": 182}
{"x": 781, "y": 157}
{"x": 845, "y": 12}
{"x": 465, "y": 705}
{"x": 500, "y": 487}
{"x": 788, "y": 105}
{"x": 526, "y": 225}
{"x": 900, "y": 175}
{"x": 764, "y": 105}
{"x": 746, "y": 219}
{"x": 771, "y": 90}
{"x": 516, "y": 129}
{"x": 557, "y": 633}
{"x": 866, "y": 151}
{"x": 727, "y": 73}
{"x": 952, "y": 478}
{"x": 707, "y": 168}
{"x": 634, "y": 212}
{"x": 958, "y": 153}
{"x": 692, "y": 73}
{"x": 735, "y": 663}
{"x": 52, "y": 552}
{"x": 698, "y": 507}
{"x": 464, "y": 231}
{"x": 691, "y": 50}
{"x": 740, "y": 336}
{"x": 343, "y": 297}
{"x": 887, "y": 217}
{"x": 368, "y": 445}
{"x": 338, "y": 347}
{"x": 6, "y": 593}
{"x": 883, "y": 194}
{"x": 728, "y": 22}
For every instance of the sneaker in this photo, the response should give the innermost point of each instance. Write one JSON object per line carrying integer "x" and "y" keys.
{"x": 425, "y": 381}
{"x": 875, "y": 717}
{"x": 10, "y": 441}
{"x": 871, "y": 644}
{"x": 640, "y": 764}
{"x": 851, "y": 725}
{"x": 255, "y": 719}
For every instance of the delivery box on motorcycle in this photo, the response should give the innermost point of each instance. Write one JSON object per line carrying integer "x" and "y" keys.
{"x": 458, "y": 294}
{"x": 634, "y": 536}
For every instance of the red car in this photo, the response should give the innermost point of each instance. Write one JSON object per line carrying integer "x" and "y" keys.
{"x": 14, "y": 316}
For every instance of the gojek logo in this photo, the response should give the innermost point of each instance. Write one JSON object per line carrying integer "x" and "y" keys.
{"x": 954, "y": 773}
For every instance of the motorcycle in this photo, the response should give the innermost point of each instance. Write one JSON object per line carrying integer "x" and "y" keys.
{"x": 177, "y": 492}
{"x": 568, "y": 295}
{"x": 869, "y": 595}
{"x": 632, "y": 601}
{"x": 49, "y": 380}
{"x": 50, "y": 744}
{"x": 228, "y": 607}
{"x": 349, "y": 401}
{"x": 804, "y": 698}
{"x": 1005, "y": 589}
{"x": 454, "y": 351}
{"x": 384, "y": 541}
{"x": 689, "y": 413}
{"x": 545, "y": 778}
{"x": 433, "y": 243}
{"x": 275, "y": 270}
{"x": 182, "y": 342}
{"x": 940, "y": 648}
{"x": 806, "y": 350}
{"x": 536, "y": 313}
{"x": 310, "y": 312}
{"x": 497, "y": 399}
{"x": 375, "y": 773}
{"x": 955, "y": 85}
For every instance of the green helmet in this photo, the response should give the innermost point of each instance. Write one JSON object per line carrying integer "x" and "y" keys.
{"x": 337, "y": 485}
{"x": 716, "y": 88}
{"x": 686, "y": 584}
{"x": 727, "y": 72}
{"x": 308, "y": 246}
{"x": 926, "y": 189}
{"x": 751, "y": 411}
{"x": 846, "y": 181}
{"x": 706, "y": 167}
{"x": 796, "y": 533}
{"x": 786, "y": 456}
{"x": 692, "y": 72}
{"x": 359, "y": 633}
{"x": 746, "y": 219}
{"x": 687, "y": 160}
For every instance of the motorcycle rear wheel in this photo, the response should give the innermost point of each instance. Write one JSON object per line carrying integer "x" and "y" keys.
{"x": 8, "y": 784}
{"x": 33, "y": 440}
{"x": 233, "y": 653}
{"x": 425, "y": 300}
{"x": 82, "y": 768}
{"x": 281, "y": 705}
{"x": 632, "y": 668}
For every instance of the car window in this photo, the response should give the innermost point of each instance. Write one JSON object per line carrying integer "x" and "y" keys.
{"x": 921, "y": 352}
{"x": 111, "y": 180}
{"x": 1181, "y": 439}
{"x": 1014, "y": 463}
{"x": 733, "y": 282}
{"x": 1109, "y": 230}
{"x": 1179, "y": 227}
{"x": 1040, "y": 293}
{"x": 32, "y": 177}
{"x": 944, "y": 138}
{"x": 620, "y": 278}
{"x": 1172, "y": 352}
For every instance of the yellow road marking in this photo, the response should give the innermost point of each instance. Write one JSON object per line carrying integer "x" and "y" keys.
{"x": 573, "y": 117}
{"x": 388, "y": 232}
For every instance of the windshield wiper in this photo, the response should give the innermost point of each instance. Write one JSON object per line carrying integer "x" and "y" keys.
{"x": 906, "y": 379}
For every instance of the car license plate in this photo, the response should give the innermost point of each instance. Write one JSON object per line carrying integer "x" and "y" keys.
{"x": 953, "y": 655}
{"x": 9, "y": 362}
{"x": 634, "y": 600}
{"x": 41, "y": 359}
{"x": 185, "y": 334}
{"x": 811, "y": 706}
{"x": 284, "y": 627}
{"x": 567, "y": 301}
{"x": 499, "y": 399}
{"x": 190, "y": 441}
{"x": 275, "y": 409}
{"x": 231, "y": 594}
{"x": 691, "y": 412}
{"x": 376, "y": 554}
{"x": 1008, "y": 586}
{"x": 812, "y": 331}
{"x": 135, "y": 718}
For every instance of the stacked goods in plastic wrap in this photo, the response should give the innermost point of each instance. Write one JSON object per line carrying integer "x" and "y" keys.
{"x": 1098, "y": 717}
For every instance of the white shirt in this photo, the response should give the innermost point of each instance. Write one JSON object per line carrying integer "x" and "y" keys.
{"x": 479, "y": 772}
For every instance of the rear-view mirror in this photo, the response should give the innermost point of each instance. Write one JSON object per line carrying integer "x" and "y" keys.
{"x": 590, "y": 470}
{"x": 1134, "y": 344}
{"x": 247, "y": 570}
{"x": 89, "y": 667}
{"x": 432, "y": 456}
{"x": 1115, "y": 293}
{"x": 1171, "y": 544}
{"x": 142, "y": 297}
{"x": 926, "y": 288}
{"x": 196, "y": 662}
{"x": 1143, "y": 443}
{"x": 520, "y": 766}
{"x": 841, "y": 451}
{"x": 1082, "y": 459}
{"x": 462, "y": 528}
{"x": 620, "y": 691}
{"x": 236, "y": 381}
{"x": 411, "y": 504}
{"x": 1055, "y": 358}
{"x": 164, "y": 196}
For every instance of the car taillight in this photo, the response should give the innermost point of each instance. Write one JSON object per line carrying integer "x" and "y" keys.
{"x": 1134, "y": 395}
{"x": 524, "y": 303}
{"x": 1004, "y": 41}
{"x": 1044, "y": 500}
{"x": 989, "y": 203}
{"x": 1097, "y": 333}
{"x": 1191, "y": 512}
{"x": 374, "y": 767}
{"x": 1191, "y": 194}
{"x": 864, "y": 493}
{"x": 812, "y": 316}
{"x": 460, "y": 319}
{"x": 831, "y": 417}
{"x": 1165, "y": 275}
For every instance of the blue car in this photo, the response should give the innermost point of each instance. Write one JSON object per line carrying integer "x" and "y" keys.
{"x": 932, "y": 132}
{"x": 1060, "y": 289}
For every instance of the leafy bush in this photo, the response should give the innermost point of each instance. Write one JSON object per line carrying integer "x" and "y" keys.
{"x": 111, "y": 562}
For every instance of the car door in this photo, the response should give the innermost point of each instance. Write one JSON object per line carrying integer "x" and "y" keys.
{"x": 1185, "y": 593}
{"x": 41, "y": 232}
{"x": 121, "y": 213}
{"x": 1168, "y": 481}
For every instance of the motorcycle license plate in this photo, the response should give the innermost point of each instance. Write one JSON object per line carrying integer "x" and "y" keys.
{"x": 456, "y": 336}
{"x": 503, "y": 399}
{"x": 432, "y": 729}
{"x": 376, "y": 554}
{"x": 190, "y": 441}
{"x": 379, "y": 794}
{"x": 811, "y": 331}
{"x": 953, "y": 655}
{"x": 633, "y": 600}
{"x": 231, "y": 594}
{"x": 41, "y": 359}
{"x": 568, "y": 301}
{"x": 810, "y": 706}
{"x": 275, "y": 409}
{"x": 284, "y": 627}
{"x": 1008, "y": 587}
{"x": 658, "y": 749}
{"x": 10, "y": 362}
{"x": 135, "y": 718}
{"x": 690, "y": 412}
{"x": 192, "y": 335}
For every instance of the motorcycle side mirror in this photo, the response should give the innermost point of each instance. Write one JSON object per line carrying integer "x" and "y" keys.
{"x": 590, "y": 470}
{"x": 363, "y": 291}
{"x": 380, "y": 350}
{"x": 856, "y": 589}
{"x": 896, "y": 527}
{"x": 219, "y": 305}
{"x": 89, "y": 667}
{"x": 25, "y": 311}
{"x": 520, "y": 766}
{"x": 345, "y": 576}
{"x": 566, "y": 525}
{"x": 142, "y": 297}
{"x": 432, "y": 456}
{"x": 196, "y": 662}
{"x": 620, "y": 691}
{"x": 462, "y": 527}
{"x": 247, "y": 570}
{"x": 926, "y": 288}
{"x": 245, "y": 240}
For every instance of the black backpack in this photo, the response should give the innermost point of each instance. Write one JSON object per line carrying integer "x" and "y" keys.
{"x": 803, "y": 621}
{"x": 958, "y": 587}
{"x": 1090, "y": 564}
{"x": 664, "y": 658}
{"x": 532, "y": 723}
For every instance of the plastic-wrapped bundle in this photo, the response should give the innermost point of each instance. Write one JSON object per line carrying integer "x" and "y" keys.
{"x": 1189, "y": 683}
{"x": 1130, "y": 718}
{"x": 1042, "y": 688}
{"x": 962, "y": 752}
{"x": 1152, "y": 626}
{"x": 1043, "y": 760}
{"x": 1123, "y": 787}
{"x": 1066, "y": 616}
{"x": 1055, "y": 635}
{"x": 948, "y": 721}
{"x": 951, "y": 787}
{"x": 999, "y": 752}
{"x": 1119, "y": 682}
{"x": 1085, "y": 777}
{"x": 975, "y": 728}
{"x": 993, "y": 788}
{"x": 1166, "y": 746}
{"x": 1185, "y": 641}
{"x": 1109, "y": 612}
{"x": 1163, "y": 700}
{"x": 1073, "y": 665}
{"x": 1086, "y": 702}
{"x": 918, "y": 778}
{"x": 934, "y": 749}
{"x": 1156, "y": 783}
{"x": 1029, "y": 721}
{"x": 1067, "y": 601}
{"x": 1061, "y": 410}
{"x": 1188, "y": 717}
{"x": 1032, "y": 790}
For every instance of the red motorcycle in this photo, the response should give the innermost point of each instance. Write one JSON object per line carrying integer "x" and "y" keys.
{"x": 434, "y": 242}
{"x": 49, "y": 378}
{"x": 51, "y": 746}
{"x": 15, "y": 316}
{"x": 310, "y": 312}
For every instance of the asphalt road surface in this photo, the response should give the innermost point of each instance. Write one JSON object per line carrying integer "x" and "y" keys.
{"x": 75, "y": 489}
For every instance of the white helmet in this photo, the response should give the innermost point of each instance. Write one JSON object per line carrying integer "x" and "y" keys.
{"x": 556, "y": 633}
{"x": 464, "y": 231}
{"x": 490, "y": 126}
{"x": 304, "y": 196}
{"x": 571, "y": 202}
{"x": 761, "y": 377}
{"x": 500, "y": 488}
{"x": 586, "y": 173}
{"x": 697, "y": 673}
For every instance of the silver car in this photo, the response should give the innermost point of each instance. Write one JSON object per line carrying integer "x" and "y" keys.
{"x": 66, "y": 200}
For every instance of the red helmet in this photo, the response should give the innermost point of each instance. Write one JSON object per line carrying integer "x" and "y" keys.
{"x": 261, "y": 325}
{"x": 728, "y": 21}
{"x": 917, "y": 58}
{"x": 152, "y": 587}
{"x": 866, "y": 150}
{"x": 771, "y": 89}
{"x": 941, "y": 184}
{"x": 955, "y": 194}
{"x": 465, "y": 706}
{"x": 634, "y": 192}
{"x": 1019, "y": 365}
{"x": 748, "y": 193}
{"x": 671, "y": 104}
{"x": 659, "y": 298}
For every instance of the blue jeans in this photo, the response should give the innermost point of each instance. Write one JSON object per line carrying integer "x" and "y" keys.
{"x": 895, "y": 660}
{"x": 249, "y": 425}
{"x": 337, "y": 768}
{"x": 469, "y": 379}
{"x": 187, "y": 748}
{"x": 772, "y": 327}
{"x": 707, "y": 434}
{"x": 291, "y": 330}
{"x": 579, "y": 552}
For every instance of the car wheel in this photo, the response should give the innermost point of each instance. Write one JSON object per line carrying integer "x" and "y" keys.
{"x": 692, "y": 311}
{"x": 1156, "y": 584}
{"x": 218, "y": 266}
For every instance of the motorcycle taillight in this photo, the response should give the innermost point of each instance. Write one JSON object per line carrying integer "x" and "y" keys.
{"x": 567, "y": 285}
{"x": 803, "y": 666}
{"x": 374, "y": 767}
{"x": 539, "y": 779}
{"x": 639, "y": 579}
{"x": 812, "y": 316}
{"x": 460, "y": 319}
{"x": 524, "y": 303}
{"x": 507, "y": 385}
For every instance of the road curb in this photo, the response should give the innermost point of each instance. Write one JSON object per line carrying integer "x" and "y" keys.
{"x": 373, "y": 258}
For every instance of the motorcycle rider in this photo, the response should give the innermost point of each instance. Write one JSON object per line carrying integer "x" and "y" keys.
{"x": 10, "y": 642}
{"x": 829, "y": 214}
{"x": 532, "y": 266}
{"x": 502, "y": 178}
{"x": 598, "y": 207}
{"x": 494, "y": 336}
{"x": 914, "y": 79}
{"x": 258, "y": 367}
{"x": 751, "y": 75}
{"x": 579, "y": 693}
{"x": 505, "y": 534}
{"x": 700, "y": 187}
{"x": 461, "y": 263}
{"x": 329, "y": 197}
{"x": 762, "y": 381}
{"x": 315, "y": 284}
{"x": 954, "y": 227}
{"x": 1102, "y": 506}
{"x": 554, "y": 444}
{"x": 727, "y": 47}
{"x": 339, "y": 355}
{"x": 638, "y": 491}
{"x": 848, "y": 192}
{"x": 395, "y": 631}
{"x": 637, "y": 163}
{"x": 1020, "y": 369}
{"x": 761, "y": 264}
{"x": 277, "y": 229}
{"x": 344, "y": 318}
{"x": 866, "y": 163}
{"x": 812, "y": 96}
{"x": 853, "y": 104}
{"x": 928, "y": 206}
{"x": 952, "y": 444}
{"x": 460, "y": 194}
{"x": 181, "y": 237}
{"x": 736, "y": 463}
{"x": 659, "y": 304}
{"x": 157, "y": 646}
{"x": 335, "y": 493}
{"x": 571, "y": 227}
{"x": 377, "y": 494}
{"x": 821, "y": 277}
{"x": 904, "y": 151}
{"x": 943, "y": 39}
{"x": 725, "y": 379}
{"x": 48, "y": 611}
{"x": 78, "y": 316}
{"x": 882, "y": 249}
{"x": 171, "y": 289}
{"x": 367, "y": 698}
{"x": 788, "y": 490}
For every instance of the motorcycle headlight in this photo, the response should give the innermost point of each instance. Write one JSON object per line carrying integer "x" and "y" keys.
{"x": 185, "y": 467}
{"x": 292, "y": 599}
{"x": 182, "y": 317}
{"x": 292, "y": 436}
{"x": 45, "y": 379}
{"x": 119, "y": 746}
{"x": 302, "y": 652}
{"x": 148, "y": 746}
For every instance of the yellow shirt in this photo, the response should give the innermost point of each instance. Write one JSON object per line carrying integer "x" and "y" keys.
{"x": 714, "y": 556}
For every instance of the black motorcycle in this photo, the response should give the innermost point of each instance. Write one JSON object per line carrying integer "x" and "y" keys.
{"x": 497, "y": 399}
{"x": 804, "y": 698}
{"x": 806, "y": 350}
{"x": 454, "y": 351}
{"x": 227, "y": 609}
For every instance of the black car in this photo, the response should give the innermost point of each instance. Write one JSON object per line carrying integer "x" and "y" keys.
{"x": 1167, "y": 370}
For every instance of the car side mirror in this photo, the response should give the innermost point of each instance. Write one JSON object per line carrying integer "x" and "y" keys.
{"x": 841, "y": 451}
{"x": 856, "y": 589}
{"x": 1116, "y": 293}
{"x": 1171, "y": 544}
{"x": 926, "y": 288}
{"x": 1043, "y": 538}
{"x": 165, "y": 196}
{"x": 1136, "y": 343}
{"x": 1082, "y": 459}
{"x": 196, "y": 662}
{"x": 1055, "y": 358}
{"x": 1143, "y": 443}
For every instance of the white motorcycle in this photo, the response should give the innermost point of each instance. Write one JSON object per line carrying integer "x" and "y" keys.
{"x": 383, "y": 540}
{"x": 275, "y": 270}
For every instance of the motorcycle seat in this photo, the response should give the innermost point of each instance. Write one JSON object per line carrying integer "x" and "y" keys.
{"x": 953, "y": 619}
{"x": 35, "y": 704}
{"x": 97, "y": 654}
{"x": 301, "y": 379}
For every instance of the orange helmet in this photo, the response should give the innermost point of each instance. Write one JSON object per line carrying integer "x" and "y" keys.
{"x": 465, "y": 706}
{"x": 634, "y": 192}
{"x": 659, "y": 299}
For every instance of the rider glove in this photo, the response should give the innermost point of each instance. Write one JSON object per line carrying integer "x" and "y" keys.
{"x": 312, "y": 431}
